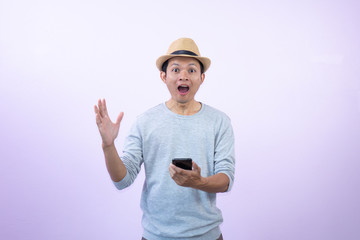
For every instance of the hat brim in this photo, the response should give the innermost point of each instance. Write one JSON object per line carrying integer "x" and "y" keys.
{"x": 204, "y": 60}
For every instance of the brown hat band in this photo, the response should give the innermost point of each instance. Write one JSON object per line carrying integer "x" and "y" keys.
{"x": 184, "y": 52}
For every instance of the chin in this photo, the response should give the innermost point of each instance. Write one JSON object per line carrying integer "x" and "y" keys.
{"x": 183, "y": 99}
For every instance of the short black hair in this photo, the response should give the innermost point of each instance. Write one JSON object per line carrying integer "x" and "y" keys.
{"x": 166, "y": 63}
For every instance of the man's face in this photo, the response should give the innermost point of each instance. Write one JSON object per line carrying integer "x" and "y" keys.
{"x": 183, "y": 78}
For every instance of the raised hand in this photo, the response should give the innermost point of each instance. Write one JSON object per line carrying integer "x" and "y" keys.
{"x": 108, "y": 130}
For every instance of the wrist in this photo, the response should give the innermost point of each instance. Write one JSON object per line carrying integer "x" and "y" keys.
{"x": 107, "y": 145}
{"x": 202, "y": 183}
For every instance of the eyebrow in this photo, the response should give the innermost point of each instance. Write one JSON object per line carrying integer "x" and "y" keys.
{"x": 190, "y": 64}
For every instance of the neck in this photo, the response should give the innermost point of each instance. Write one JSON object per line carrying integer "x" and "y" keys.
{"x": 189, "y": 108}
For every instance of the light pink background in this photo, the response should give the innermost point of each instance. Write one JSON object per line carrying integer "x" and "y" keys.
{"x": 286, "y": 72}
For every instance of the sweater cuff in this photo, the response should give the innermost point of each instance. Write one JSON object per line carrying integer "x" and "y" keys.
{"x": 231, "y": 181}
{"x": 123, "y": 183}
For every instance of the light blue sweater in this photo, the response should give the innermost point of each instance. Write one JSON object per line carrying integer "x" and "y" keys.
{"x": 172, "y": 212}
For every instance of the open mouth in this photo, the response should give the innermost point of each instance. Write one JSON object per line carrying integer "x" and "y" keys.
{"x": 183, "y": 89}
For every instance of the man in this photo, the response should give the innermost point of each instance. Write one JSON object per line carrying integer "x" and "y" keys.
{"x": 176, "y": 203}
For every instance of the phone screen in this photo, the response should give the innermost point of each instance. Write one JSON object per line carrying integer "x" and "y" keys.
{"x": 184, "y": 163}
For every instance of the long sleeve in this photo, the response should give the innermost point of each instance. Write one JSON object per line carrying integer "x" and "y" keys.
{"x": 132, "y": 157}
{"x": 224, "y": 155}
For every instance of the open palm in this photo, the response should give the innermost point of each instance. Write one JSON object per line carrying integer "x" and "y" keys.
{"x": 108, "y": 130}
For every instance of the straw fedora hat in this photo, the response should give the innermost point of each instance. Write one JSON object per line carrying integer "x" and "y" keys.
{"x": 183, "y": 47}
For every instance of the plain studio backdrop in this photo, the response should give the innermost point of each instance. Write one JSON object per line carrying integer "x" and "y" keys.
{"x": 286, "y": 72}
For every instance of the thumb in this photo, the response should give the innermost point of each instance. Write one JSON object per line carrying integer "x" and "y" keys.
{"x": 196, "y": 167}
{"x": 119, "y": 118}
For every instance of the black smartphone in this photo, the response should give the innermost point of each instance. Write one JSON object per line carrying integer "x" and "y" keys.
{"x": 184, "y": 163}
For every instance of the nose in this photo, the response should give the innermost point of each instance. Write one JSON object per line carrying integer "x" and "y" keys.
{"x": 184, "y": 75}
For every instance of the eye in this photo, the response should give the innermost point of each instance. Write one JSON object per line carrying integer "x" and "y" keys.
{"x": 191, "y": 70}
{"x": 175, "y": 70}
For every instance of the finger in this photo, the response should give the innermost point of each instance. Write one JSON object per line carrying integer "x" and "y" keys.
{"x": 176, "y": 170}
{"x": 97, "y": 114}
{"x": 100, "y": 107}
{"x": 96, "y": 109}
{"x": 195, "y": 167}
{"x": 98, "y": 119}
{"x": 119, "y": 118}
{"x": 172, "y": 167}
{"x": 104, "y": 108}
{"x": 179, "y": 171}
{"x": 171, "y": 170}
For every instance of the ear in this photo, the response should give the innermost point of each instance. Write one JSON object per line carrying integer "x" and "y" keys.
{"x": 163, "y": 76}
{"x": 202, "y": 77}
